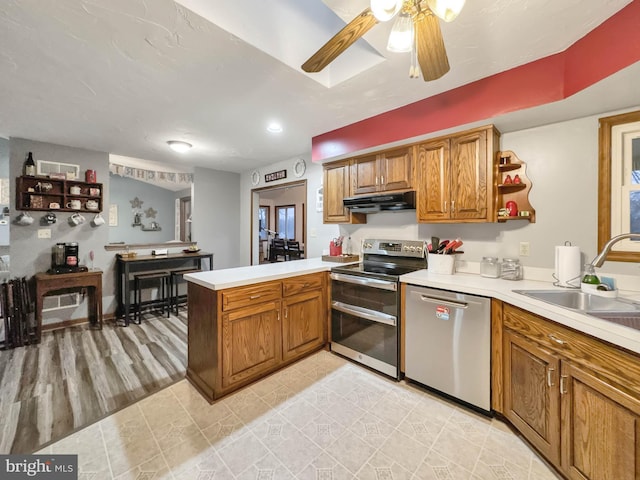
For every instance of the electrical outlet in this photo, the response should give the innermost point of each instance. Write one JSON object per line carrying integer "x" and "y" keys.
{"x": 313, "y": 233}
{"x": 44, "y": 233}
{"x": 524, "y": 249}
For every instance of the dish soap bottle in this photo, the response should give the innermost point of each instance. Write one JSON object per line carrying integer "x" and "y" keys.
{"x": 590, "y": 276}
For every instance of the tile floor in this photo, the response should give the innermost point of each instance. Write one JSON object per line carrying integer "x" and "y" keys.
{"x": 322, "y": 418}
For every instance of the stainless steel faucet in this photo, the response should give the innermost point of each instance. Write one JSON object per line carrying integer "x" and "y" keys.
{"x": 601, "y": 257}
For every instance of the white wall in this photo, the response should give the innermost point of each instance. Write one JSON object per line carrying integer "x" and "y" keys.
{"x": 216, "y": 215}
{"x": 562, "y": 164}
{"x": 318, "y": 234}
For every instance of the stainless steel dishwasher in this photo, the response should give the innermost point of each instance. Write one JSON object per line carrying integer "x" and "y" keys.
{"x": 448, "y": 343}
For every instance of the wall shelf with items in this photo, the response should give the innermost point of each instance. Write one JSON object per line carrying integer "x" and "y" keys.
{"x": 45, "y": 194}
{"x": 512, "y": 185}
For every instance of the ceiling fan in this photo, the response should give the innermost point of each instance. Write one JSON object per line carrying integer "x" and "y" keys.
{"x": 416, "y": 30}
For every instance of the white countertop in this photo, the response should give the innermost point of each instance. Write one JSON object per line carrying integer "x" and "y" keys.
{"x": 459, "y": 282}
{"x": 237, "y": 277}
{"x": 620, "y": 335}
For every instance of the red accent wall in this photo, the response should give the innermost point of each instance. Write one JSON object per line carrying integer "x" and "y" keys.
{"x": 610, "y": 47}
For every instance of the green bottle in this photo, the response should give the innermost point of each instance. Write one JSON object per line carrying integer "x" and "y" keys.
{"x": 590, "y": 276}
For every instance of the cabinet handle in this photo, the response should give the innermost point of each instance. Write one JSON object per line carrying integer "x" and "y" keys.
{"x": 305, "y": 285}
{"x": 253, "y": 297}
{"x": 562, "y": 385}
{"x": 555, "y": 339}
{"x": 445, "y": 207}
{"x": 278, "y": 315}
{"x": 376, "y": 180}
{"x": 382, "y": 180}
{"x": 453, "y": 206}
{"x": 286, "y": 313}
{"x": 549, "y": 380}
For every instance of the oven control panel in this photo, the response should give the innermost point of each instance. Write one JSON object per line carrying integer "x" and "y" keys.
{"x": 398, "y": 248}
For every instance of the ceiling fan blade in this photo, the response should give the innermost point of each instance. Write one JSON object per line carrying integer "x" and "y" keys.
{"x": 432, "y": 56}
{"x": 342, "y": 40}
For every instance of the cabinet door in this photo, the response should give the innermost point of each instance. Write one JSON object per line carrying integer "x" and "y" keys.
{"x": 531, "y": 393}
{"x": 336, "y": 187}
{"x": 303, "y": 324}
{"x": 469, "y": 176}
{"x": 396, "y": 170}
{"x": 600, "y": 428}
{"x": 433, "y": 181}
{"x": 251, "y": 342}
{"x": 365, "y": 175}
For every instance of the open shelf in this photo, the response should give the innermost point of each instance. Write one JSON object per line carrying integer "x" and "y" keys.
{"x": 515, "y": 192}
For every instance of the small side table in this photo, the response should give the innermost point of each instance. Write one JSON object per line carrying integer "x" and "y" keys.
{"x": 56, "y": 284}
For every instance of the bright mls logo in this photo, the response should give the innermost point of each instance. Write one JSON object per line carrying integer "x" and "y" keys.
{"x": 56, "y": 467}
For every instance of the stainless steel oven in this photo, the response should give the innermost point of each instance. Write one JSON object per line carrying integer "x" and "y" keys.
{"x": 365, "y": 310}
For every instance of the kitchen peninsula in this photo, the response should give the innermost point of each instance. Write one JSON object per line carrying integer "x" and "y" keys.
{"x": 247, "y": 322}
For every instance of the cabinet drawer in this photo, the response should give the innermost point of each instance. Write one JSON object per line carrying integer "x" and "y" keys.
{"x": 250, "y": 295}
{"x": 302, "y": 283}
{"x": 619, "y": 365}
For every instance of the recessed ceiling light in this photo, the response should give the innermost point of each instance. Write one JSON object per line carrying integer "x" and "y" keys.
{"x": 274, "y": 128}
{"x": 179, "y": 146}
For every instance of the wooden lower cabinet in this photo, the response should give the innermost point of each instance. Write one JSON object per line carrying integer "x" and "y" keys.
{"x": 303, "y": 324}
{"x": 531, "y": 400}
{"x": 600, "y": 428}
{"x": 250, "y": 342}
{"x": 238, "y": 335}
{"x": 563, "y": 392}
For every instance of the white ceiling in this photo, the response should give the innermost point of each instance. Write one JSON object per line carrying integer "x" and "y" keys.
{"x": 125, "y": 76}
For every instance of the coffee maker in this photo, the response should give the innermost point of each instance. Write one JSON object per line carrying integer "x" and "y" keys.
{"x": 65, "y": 258}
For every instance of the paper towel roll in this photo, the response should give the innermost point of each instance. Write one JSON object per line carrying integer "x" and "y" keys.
{"x": 568, "y": 266}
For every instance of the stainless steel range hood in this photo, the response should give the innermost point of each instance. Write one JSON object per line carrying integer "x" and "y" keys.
{"x": 384, "y": 202}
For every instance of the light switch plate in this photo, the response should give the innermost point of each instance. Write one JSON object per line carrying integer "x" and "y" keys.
{"x": 44, "y": 233}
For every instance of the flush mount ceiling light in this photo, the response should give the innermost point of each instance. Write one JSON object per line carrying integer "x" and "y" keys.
{"x": 426, "y": 40}
{"x": 274, "y": 127}
{"x": 179, "y": 146}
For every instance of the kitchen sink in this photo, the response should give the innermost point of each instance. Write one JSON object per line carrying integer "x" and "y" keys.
{"x": 581, "y": 301}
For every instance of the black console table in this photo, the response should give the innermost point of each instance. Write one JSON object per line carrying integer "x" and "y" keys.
{"x": 147, "y": 263}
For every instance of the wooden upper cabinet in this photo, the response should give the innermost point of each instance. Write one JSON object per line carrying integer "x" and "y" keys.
{"x": 364, "y": 172}
{"x": 455, "y": 177}
{"x": 335, "y": 188}
{"x": 391, "y": 170}
{"x": 396, "y": 169}
{"x": 433, "y": 181}
{"x": 471, "y": 166}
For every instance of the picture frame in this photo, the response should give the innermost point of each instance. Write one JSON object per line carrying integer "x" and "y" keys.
{"x": 66, "y": 171}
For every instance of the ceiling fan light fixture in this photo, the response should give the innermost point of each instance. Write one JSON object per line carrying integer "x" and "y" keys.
{"x": 401, "y": 36}
{"x": 179, "y": 146}
{"x": 447, "y": 10}
{"x": 385, "y": 10}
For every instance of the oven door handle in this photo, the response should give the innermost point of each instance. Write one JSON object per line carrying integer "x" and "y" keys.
{"x": 368, "y": 282}
{"x": 442, "y": 301}
{"x": 365, "y": 313}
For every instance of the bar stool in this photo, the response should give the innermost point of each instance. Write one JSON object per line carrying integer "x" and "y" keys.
{"x": 139, "y": 281}
{"x": 177, "y": 275}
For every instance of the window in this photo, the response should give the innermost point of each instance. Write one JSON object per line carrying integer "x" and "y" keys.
{"x": 619, "y": 184}
{"x": 263, "y": 219}
{"x": 286, "y": 221}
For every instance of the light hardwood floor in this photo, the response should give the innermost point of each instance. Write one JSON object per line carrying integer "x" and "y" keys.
{"x": 77, "y": 376}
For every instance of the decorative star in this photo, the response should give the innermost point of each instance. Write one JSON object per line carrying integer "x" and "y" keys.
{"x": 150, "y": 212}
{"x": 136, "y": 203}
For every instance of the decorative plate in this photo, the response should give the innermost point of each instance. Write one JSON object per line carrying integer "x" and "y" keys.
{"x": 299, "y": 167}
{"x": 255, "y": 178}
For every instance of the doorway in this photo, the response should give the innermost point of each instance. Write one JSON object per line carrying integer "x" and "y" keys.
{"x": 278, "y": 213}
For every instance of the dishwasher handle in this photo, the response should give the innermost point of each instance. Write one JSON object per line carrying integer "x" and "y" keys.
{"x": 442, "y": 301}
